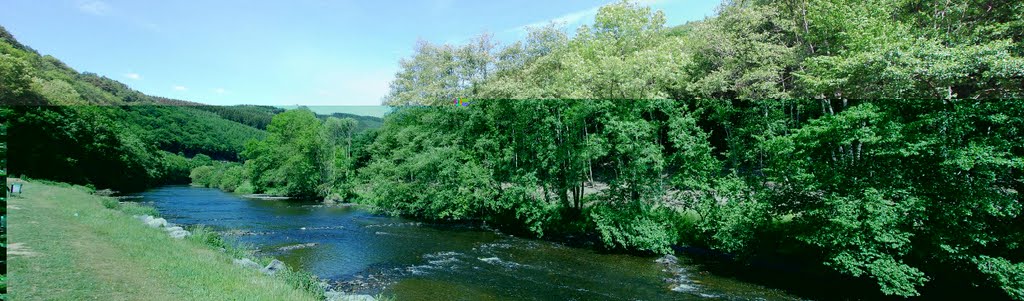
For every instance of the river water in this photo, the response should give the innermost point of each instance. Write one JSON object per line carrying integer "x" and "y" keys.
{"x": 366, "y": 253}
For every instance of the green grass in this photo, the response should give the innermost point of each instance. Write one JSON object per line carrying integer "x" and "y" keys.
{"x": 296, "y": 278}
{"x": 73, "y": 248}
{"x": 131, "y": 209}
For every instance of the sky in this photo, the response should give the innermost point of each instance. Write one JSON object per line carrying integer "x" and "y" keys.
{"x": 301, "y": 52}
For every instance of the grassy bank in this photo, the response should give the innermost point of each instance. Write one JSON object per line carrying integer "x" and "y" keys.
{"x": 65, "y": 245}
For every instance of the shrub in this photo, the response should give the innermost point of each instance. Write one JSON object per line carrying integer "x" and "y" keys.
{"x": 245, "y": 188}
{"x": 201, "y": 175}
{"x": 205, "y": 235}
{"x": 303, "y": 280}
{"x": 111, "y": 203}
{"x": 634, "y": 226}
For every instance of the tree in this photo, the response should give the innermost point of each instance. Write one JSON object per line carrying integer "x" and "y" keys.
{"x": 292, "y": 160}
{"x": 15, "y": 81}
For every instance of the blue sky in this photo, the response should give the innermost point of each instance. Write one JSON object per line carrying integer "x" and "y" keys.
{"x": 300, "y": 52}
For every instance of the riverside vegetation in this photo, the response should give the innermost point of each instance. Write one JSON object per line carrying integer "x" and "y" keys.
{"x": 758, "y": 132}
{"x": 72, "y": 246}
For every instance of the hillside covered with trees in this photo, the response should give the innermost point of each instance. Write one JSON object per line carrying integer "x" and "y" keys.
{"x": 763, "y": 131}
{"x": 109, "y": 136}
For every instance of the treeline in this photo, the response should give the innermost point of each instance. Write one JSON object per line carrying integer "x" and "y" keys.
{"x": 227, "y": 176}
{"x": 91, "y": 130}
{"x": 251, "y": 115}
{"x": 363, "y": 123}
{"x": 905, "y": 192}
{"x": 766, "y": 148}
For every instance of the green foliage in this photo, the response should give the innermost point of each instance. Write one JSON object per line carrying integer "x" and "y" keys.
{"x": 15, "y": 81}
{"x": 245, "y": 188}
{"x": 304, "y": 281}
{"x": 520, "y": 200}
{"x": 111, "y": 203}
{"x": 231, "y": 178}
{"x": 773, "y": 146}
{"x": 773, "y": 142}
{"x": 126, "y": 148}
{"x": 632, "y": 226}
{"x": 418, "y": 170}
{"x": 191, "y": 131}
{"x": 299, "y": 279}
{"x": 1007, "y": 275}
{"x": 363, "y": 123}
{"x": 883, "y": 191}
{"x": 95, "y": 148}
{"x": 730, "y": 216}
{"x": 207, "y": 236}
{"x": 137, "y": 209}
{"x": 296, "y": 278}
{"x": 254, "y": 116}
{"x": 294, "y": 157}
{"x": 203, "y": 175}
{"x": 867, "y": 235}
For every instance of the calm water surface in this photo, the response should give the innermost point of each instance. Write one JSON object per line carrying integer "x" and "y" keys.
{"x": 368, "y": 253}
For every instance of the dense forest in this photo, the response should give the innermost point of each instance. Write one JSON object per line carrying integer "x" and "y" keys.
{"x": 876, "y": 139}
{"x": 770, "y": 144}
{"x": 88, "y": 129}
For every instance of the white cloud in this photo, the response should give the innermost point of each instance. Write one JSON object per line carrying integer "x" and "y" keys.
{"x": 220, "y": 91}
{"x": 94, "y": 7}
{"x": 563, "y": 20}
{"x": 580, "y": 16}
{"x": 180, "y": 88}
{"x": 133, "y": 75}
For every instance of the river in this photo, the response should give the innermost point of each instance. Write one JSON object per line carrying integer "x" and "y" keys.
{"x": 367, "y": 253}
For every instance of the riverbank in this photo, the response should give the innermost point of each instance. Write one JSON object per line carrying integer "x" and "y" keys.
{"x": 64, "y": 245}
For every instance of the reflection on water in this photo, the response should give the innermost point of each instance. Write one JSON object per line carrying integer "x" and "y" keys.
{"x": 368, "y": 253}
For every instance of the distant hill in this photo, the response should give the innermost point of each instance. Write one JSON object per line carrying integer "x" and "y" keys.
{"x": 373, "y": 111}
{"x": 251, "y": 115}
{"x": 367, "y": 117}
{"x": 363, "y": 124}
{"x": 176, "y": 126}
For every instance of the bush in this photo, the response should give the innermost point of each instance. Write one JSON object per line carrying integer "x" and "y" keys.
{"x": 304, "y": 280}
{"x": 111, "y": 203}
{"x": 245, "y": 188}
{"x": 201, "y": 175}
{"x": 206, "y": 235}
{"x": 231, "y": 178}
{"x": 635, "y": 226}
{"x": 520, "y": 203}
